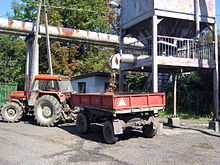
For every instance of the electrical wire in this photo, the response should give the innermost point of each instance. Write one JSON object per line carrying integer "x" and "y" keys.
{"x": 61, "y": 7}
{"x": 93, "y": 11}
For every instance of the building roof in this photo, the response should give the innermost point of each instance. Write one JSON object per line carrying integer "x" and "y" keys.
{"x": 51, "y": 77}
{"x": 94, "y": 74}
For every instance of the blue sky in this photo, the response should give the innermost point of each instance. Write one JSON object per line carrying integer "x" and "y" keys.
{"x": 5, "y": 6}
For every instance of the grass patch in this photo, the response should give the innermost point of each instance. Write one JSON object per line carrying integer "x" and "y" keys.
{"x": 206, "y": 146}
{"x": 183, "y": 115}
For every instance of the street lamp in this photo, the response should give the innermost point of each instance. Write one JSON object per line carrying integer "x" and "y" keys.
{"x": 114, "y": 4}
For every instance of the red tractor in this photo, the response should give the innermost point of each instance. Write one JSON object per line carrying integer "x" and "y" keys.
{"x": 49, "y": 100}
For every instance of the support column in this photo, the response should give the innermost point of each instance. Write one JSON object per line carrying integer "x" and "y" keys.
{"x": 216, "y": 75}
{"x": 29, "y": 55}
{"x": 197, "y": 17}
{"x": 174, "y": 94}
{"x": 154, "y": 55}
{"x": 174, "y": 120}
{"x": 215, "y": 124}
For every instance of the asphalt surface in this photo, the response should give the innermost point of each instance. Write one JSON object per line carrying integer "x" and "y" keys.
{"x": 25, "y": 143}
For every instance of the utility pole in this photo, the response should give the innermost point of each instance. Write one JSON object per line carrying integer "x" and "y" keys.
{"x": 35, "y": 58}
{"x": 48, "y": 39}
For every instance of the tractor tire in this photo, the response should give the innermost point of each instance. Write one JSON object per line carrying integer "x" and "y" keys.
{"x": 108, "y": 133}
{"x": 47, "y": 110}
{"x": 11, "y": 112}
{"x": 148, "y": 131}
{"x": 82, "y": 123}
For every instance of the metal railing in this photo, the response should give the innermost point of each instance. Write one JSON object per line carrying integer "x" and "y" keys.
{"x": 185, "y": 48}
{"x": 176, "y": 47}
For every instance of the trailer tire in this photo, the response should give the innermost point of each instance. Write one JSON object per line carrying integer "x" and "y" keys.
{"x": 47, "y": 110}
{"x": 148, "y": 131}
{"x": 82, "y": 123}
{"x": 11, "y": 112}
{"x": 108, "y": 133}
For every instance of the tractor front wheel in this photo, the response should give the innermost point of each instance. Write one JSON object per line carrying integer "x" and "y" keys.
{"x": 47, "y": 110}
{"x": 11, "y": 112}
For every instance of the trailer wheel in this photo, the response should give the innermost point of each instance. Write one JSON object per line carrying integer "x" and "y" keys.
{"x": 149, "y": 131}
{"x": 11, "y": 112}
{"x": 47, "y": 110}
{"x": 108, "y": 133}
{"x": 82, "y": 123}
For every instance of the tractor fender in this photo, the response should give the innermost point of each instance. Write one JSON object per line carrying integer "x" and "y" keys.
{"x": 19, "y": 102}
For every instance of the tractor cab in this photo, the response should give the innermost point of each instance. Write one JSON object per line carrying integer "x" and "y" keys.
{"x": 56, "y": 85}
{"x": 52, "y": 83}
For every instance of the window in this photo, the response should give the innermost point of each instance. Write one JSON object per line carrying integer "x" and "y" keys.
{"x": 45, "y": 85}
{"x": 66, "y": 86}
{"x": 82, "y": 87}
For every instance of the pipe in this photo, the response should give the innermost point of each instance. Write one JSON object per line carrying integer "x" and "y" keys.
{"x": 27, "y": 28}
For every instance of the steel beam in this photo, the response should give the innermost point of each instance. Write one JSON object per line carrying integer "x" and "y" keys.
{"x": 27, "y": 28}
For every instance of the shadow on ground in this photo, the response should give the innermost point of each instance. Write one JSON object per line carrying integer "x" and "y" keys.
{"x": 194, "y": 129}
{"x": 95, "y": 133}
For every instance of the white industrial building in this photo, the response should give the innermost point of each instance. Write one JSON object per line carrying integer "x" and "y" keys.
{"x": 91, "y": 83}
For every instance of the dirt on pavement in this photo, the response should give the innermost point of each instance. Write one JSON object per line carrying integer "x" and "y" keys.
{"x": 25, "y": 143}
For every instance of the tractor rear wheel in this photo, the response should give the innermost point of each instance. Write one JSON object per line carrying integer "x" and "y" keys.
{"x": 11, "y": 112}
{"x": 47, "y": 110}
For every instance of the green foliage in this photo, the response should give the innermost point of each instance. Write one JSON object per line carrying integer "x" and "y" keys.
{"x": 12, "y": 59}
{"x": 194, "y": 93}
{"x": 137, "y": 82}
{"x": 68, "y": 58}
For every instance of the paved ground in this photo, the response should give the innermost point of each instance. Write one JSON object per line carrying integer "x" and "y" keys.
{"x": 25, "y": 143}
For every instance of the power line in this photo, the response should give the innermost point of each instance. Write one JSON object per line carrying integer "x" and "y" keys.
{"x": 67, "y": 8}
{"x": 61, "y": 7}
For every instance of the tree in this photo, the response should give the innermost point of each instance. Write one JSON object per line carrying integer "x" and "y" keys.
{"x": 69, "y": 58}
{"x": 12, "y": 60}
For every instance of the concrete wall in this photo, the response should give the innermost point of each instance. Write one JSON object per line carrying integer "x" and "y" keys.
{"x": 94, "y": 84}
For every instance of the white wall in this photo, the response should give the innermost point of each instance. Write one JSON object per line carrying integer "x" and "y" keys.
{"x": 100, "y": 84}
{"x": 94, "y": 84}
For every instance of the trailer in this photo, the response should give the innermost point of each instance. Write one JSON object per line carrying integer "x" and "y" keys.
{"x": 118, "y": 112}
